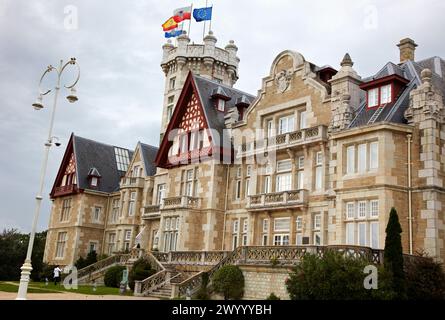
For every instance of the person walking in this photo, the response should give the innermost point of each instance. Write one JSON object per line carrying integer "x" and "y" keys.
{"x": 57, "y": 272}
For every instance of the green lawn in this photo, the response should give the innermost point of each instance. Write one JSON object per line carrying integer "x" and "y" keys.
{"x": 40, "y": 287}
{"x": 7, "y": 287}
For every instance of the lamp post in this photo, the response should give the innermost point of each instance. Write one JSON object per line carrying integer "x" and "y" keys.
{"x": 38, "y": 105}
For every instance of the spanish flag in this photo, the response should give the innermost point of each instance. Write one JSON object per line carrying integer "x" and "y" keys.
{"x": 170, "y": 24}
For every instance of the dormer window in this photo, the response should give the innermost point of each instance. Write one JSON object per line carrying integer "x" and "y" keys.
{"x": 93, "y": 177}
{"x": 383, "y": 91}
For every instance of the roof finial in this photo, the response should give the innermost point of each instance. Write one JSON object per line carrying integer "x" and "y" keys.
{"x": 347, "y": 61}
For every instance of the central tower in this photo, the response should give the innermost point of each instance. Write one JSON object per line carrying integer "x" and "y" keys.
{"x": 205, "y": 60}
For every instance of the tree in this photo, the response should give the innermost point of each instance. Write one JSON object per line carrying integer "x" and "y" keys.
{"x": 13, "y": 247}
{"x": 333, "y": 277}
{"x": 229, "y": 282}
{"x": 80, "y": 263}
{"x": 91, "y": 258}
{"x": 393, "y": 255}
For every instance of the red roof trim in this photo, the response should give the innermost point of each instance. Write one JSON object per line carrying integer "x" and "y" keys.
{"x": 382, "y": 81}
{"x": 66, "y": 157}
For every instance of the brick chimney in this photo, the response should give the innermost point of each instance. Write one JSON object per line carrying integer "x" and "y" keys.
{"x": 407, "y": 48}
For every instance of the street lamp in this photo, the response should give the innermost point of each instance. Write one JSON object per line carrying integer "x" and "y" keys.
{"x": 38, "y": 105}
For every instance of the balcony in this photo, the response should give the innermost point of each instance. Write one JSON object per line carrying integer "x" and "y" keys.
{"x": 279, "y": 200}
{"x": 151, "y": 212}
{"x": 65, "y": 190}
{"x": 137, "y": 182}
{"x": 284, "y": 141}
{"x": 183, "y": 202}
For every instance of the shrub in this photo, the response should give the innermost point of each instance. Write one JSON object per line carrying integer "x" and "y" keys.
{"x": 393, "y": 256}
{"x": 273, "y": 296}
{"x": 333, "y": 277}
{"x": 425, "y": 279}
{"x": 203, "y": 292}
{"x": 229, "y": 281}
{"x": 113, "y": 276}
{"x": 141, "y": 270}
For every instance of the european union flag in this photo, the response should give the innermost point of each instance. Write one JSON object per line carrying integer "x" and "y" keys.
{"x": 202, "y": 14}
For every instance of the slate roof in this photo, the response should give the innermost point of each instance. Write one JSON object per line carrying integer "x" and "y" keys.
{"x": 101, "y": 157}
{"x": 409, "y": 70}
{"x": 148, "y": 155}
{"x": 215, "y": 118}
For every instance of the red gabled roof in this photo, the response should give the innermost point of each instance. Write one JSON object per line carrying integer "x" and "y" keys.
{"x": 188, "y": 90}
{"x": 65, "y": 161}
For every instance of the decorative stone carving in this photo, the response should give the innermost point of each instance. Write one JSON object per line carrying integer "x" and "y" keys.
{"x": 283, "y": 79}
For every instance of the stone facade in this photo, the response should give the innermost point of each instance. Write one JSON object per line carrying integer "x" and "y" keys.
{"x": 294, "y": 183}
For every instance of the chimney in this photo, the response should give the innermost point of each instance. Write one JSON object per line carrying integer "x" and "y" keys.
{"x": 407, "y": 48}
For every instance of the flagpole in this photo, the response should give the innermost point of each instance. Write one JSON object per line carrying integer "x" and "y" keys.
{"x": 190, "y": 21}
{"x": 210, "y": 27}
{"x": 205, "y": 22}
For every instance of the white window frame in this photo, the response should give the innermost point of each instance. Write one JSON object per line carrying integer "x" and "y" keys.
{"x": 373, "y": 97}
{"x": 283, "y": 239}
{"x": 362, "y": 233}
{"x": 361, "y": 157}
{"x": 267, "y": 184}
{"x": 299, "y": 239}
{"x": 374, "y": 209}
{"x": 61, "y": 244}
{"x": 235, "y": 226}
{"x": 374, "y": 155}
{"x": 361, "y": 210}
{"x": 385, "y": 94}
{"x": 247, "y": 187}
{"x": 221, "y": 105}
{"x": 265, "y": 225}
{"x": 286, "y": 124}
{"x": 303, "y": 120}
{"x": 281, "y": 219}
{"x": 96, "y": 213}
{"x": 350, "y": 233}
{"x": 301, "y": 162}
{"x": 270, "y": 128}
{"x": 299, "y": 223}
{"x": 350, "y": 211}
{"x": 374, "y": 241}
{"x": 317, "y": 221}
{"x": 317, "y": 234}
{"x": 350, "y": 159}
{"x": 284, "y": 182}
{"x": 94, "y": 181}
{"x": 318, "y": 178}
{"x": 127, "y": 235}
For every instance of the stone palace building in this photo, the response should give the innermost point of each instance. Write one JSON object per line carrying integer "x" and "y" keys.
{"x": 318, "y": 157}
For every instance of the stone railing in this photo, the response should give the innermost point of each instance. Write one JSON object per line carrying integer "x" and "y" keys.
{"x": 284, "y": 141}
{"x": 282, "y": 255}
{"x": 154, "y": 282}
{"x": 61, "y": 191}
{"x": 183, "y": 202}
{"x": 278, "y": 200}
{"x": 197, "y": 258}
{"x": 118, "y": 259}
{"x": 151, "y": 212}
{"x": 132, "y": 182}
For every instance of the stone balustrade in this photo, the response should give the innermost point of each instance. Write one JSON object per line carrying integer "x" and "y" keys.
{"x": 277, "y": 200}
{"x": 132, "y": 182}
{"x": 183, "y": 202}
{"x": 284, "y": 141}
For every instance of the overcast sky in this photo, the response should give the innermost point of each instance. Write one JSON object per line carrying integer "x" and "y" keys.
{"x": 118, "y": 46}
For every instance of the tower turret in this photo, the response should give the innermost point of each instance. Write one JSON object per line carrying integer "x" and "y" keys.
{"x": 206, "y": 60}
